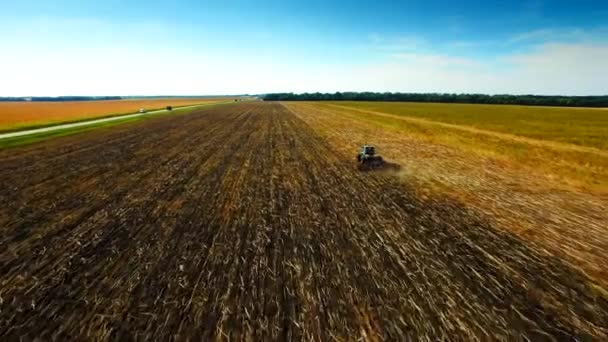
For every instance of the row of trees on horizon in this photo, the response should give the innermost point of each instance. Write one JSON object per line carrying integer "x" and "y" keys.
{"x": 530, "y": 100}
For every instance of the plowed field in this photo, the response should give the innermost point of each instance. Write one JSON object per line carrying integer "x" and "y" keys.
{"x": 240, "y": 222}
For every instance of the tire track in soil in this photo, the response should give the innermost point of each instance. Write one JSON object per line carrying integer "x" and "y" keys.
{"x": 64, "y": 227}
{"x": 90, "y": 168}
{"x": 114, "y": 223}
{"x": 243, "y": 224}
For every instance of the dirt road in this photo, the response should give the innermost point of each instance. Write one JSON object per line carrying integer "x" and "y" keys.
{"x": 93, "y": 122}
{"x": 240, "y": 222}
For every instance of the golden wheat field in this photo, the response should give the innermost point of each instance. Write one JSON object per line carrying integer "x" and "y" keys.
{"x": 22, "y": 114}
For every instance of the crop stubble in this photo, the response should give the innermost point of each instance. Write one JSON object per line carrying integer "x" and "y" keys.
{"x": 241, "y": 222}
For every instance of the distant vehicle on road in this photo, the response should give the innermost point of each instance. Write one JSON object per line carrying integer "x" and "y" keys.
{"x": 142, "y": 110}
{"x": 169, "y": 108}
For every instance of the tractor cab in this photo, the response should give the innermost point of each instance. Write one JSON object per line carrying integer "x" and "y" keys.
{"x": 368, "y": 150}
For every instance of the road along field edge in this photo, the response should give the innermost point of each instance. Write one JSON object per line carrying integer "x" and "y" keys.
{"x": 20, "y": 116}
{"x": 30, "y": 135}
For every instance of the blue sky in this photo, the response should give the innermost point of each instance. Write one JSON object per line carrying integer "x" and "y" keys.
{"x": 117, "y": 47}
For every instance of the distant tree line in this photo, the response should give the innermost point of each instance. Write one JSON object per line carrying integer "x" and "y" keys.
{"x": 530, "y": 100}
{"x": 59, "y": 98}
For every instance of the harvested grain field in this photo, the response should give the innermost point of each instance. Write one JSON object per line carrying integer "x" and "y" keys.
{"x": 549, "y": 194}
{"x": 240, "y": 222}
{"x": 16, "y": 115}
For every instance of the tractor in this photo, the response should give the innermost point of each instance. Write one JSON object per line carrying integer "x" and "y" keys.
{"x": 368, "y": 159}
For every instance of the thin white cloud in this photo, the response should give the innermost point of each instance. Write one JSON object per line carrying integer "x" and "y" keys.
{"x": 574, "y": 66}
{"x": 568, "y": 69}
{"x": 579, "y": 69}
{"x": 374, "y": 38}
{"x": 396, "y": 44}
{"x": 465, "y": 44}
{"x": 436, "y": 60}
{"x": 554, "y": 35}
{"x": 551, "y": 69}
{"x": 532, "y": 35}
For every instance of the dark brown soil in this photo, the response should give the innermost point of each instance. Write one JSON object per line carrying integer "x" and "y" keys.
{"x": 240, "y": 222}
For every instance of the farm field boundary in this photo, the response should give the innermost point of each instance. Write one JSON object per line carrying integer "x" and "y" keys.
{"x": 526, "y": 196}
{"x": 23, "y": 136}
{"x": 246, "y": 224}
{"x": 470, "y": 129}
{"x": 22, "y": 115}
{"x": 569, "y": 166}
